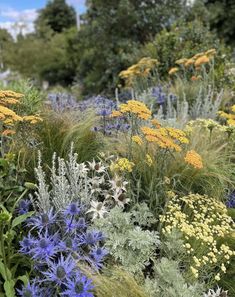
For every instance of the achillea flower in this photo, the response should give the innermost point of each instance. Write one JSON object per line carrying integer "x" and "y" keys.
{"x": 137, "y": 139}
{"x": 211, "y": 52}
{"x": 32, "y": 119}
{"x": 115, "y": 114}
{"x": 194, "y": 78}
{"x": 8, "y": 132}
{"x": 123, "y": 164}
{"x": 136, "y": 107}
{"x": 149, "y": 160}
{"x": 189, "y": 62}
{"x": 202, "y": 60}
{"x": 194, "y": 159}
{"x": 173, "y": 70}
{"x": 181, "y": 61}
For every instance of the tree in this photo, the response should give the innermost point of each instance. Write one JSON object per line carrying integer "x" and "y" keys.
{"x": 57, "y": 15}
{"x": 113, "y": 30}
{"x": 221, "y": 18}
{"x": 5, "y": 41}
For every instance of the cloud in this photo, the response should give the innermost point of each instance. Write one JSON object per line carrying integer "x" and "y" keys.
{"x": 28, "y": 15}
{"x": 16, "y": 27}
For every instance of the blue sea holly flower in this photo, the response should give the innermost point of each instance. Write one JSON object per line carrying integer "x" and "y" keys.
{"x": 31, "y": 290}
{"x": 43, "y": 221}
{"x": 230, "y": 203}
{"x": 44, "y": 247}
{"x": 27, "y": 244}
{"x": 81, "y": 224}
{"x": 98, "y": 254}
{"x": 23, "y": 207}
{"x": 91, "y": 237}
{"x": 60, "y": 271}
{"x": 70, "y": 225}
{"x": 79, "y": 286}
{"x": 68, "y": 244}
{"x": 73, "y": 209}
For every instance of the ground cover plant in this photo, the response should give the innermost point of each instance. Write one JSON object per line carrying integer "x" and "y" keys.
{"x": 117, "y": 153}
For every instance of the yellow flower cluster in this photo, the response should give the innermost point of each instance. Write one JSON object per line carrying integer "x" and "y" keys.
{"x": 194, "y": 159}
{"x": 196, "y": 61}
{"x": 141, "y": 69}
{"x": 137, "y": 108}
{"x": 203, "y": 222}
{"x": 149, "y": 160}
{"x": 167, "y": 138}
{"x": 123, "y": 165}
{"x": 9, "y": 117}
{"x": 228, "y": 116}
{"x": 137, "y": 139}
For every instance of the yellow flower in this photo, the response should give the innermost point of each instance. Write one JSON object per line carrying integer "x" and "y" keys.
{"x": 211, "y": 52}
{"x": 115, "y": 114}
{"x": 32, "y": 119}
{"x": 194, "y": 159}
{"x": 136, "y": 107}
{"x": 189, "y": 62}
{"x": 137, "y": 139}
{"x": 181, "y": 61}
{"x": 173, "y": 70}
{"x": 201, "y": 60}
{"x": 149, "y": 160}
{"x": 123, "y": 165}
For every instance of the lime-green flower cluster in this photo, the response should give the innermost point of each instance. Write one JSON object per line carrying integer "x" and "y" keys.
{"x": 203, "y": 222}
{"x": 123, "y": 165}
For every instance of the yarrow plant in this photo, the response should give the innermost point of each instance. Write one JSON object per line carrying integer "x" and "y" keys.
{"x": 203, "y": 222}
{"x": 56, "y": 244}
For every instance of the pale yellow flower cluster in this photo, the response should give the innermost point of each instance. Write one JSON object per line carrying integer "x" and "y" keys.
{"x": 123, "y": 165}
{"x": 141, "y": 69}
{"x": 203, "y": 221}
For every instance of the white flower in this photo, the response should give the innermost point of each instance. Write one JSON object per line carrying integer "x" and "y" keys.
{"x": 98, "y": 210}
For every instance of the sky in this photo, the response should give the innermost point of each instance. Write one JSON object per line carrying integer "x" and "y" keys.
{"x": 24, "y": 12}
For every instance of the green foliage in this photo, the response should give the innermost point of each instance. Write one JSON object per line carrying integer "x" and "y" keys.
{"x": 31, "y": 102}
{"x": 113, "y": 31}
{"x": 128, "y": 242}
{"x": 221, "y": 15}
{"x": 11, "y": 179}
{"x": 182, "y": 40}
{"x": 57, "y": 15}
{"x": 169, "y": 282}
{"x": 52, "y": 58}
{"x": 55, "y": 134}
{"x": 5, "y": 41}
{"x": 13, "y": 267}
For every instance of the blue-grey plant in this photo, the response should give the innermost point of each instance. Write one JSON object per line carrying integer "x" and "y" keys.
{"x": 128, "y": 240}
{"x": 89, "y": 183}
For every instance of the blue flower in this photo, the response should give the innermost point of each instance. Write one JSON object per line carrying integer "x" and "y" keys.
{"x": 70, "y": 225}
{"x": 98, "y": 253}
{"x": 68, "y": 244}
{"x": 43, "y": 221}
{"x": 230, "y": 203}
{"x": 79, "y": 286}
{"x": 73, "y": 209}
{"x": 91, "y": 237}
{"x": 81, "y": 224}
{"x": 27, "y": 244}
{"x": 60, "y": 271}
{"x": 31, "y": 290}
{"x": 23, "y": 207}
{"x": 44, "y": 247}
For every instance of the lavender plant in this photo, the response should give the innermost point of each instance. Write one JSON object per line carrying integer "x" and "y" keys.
{"x": 56, "y": 243}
